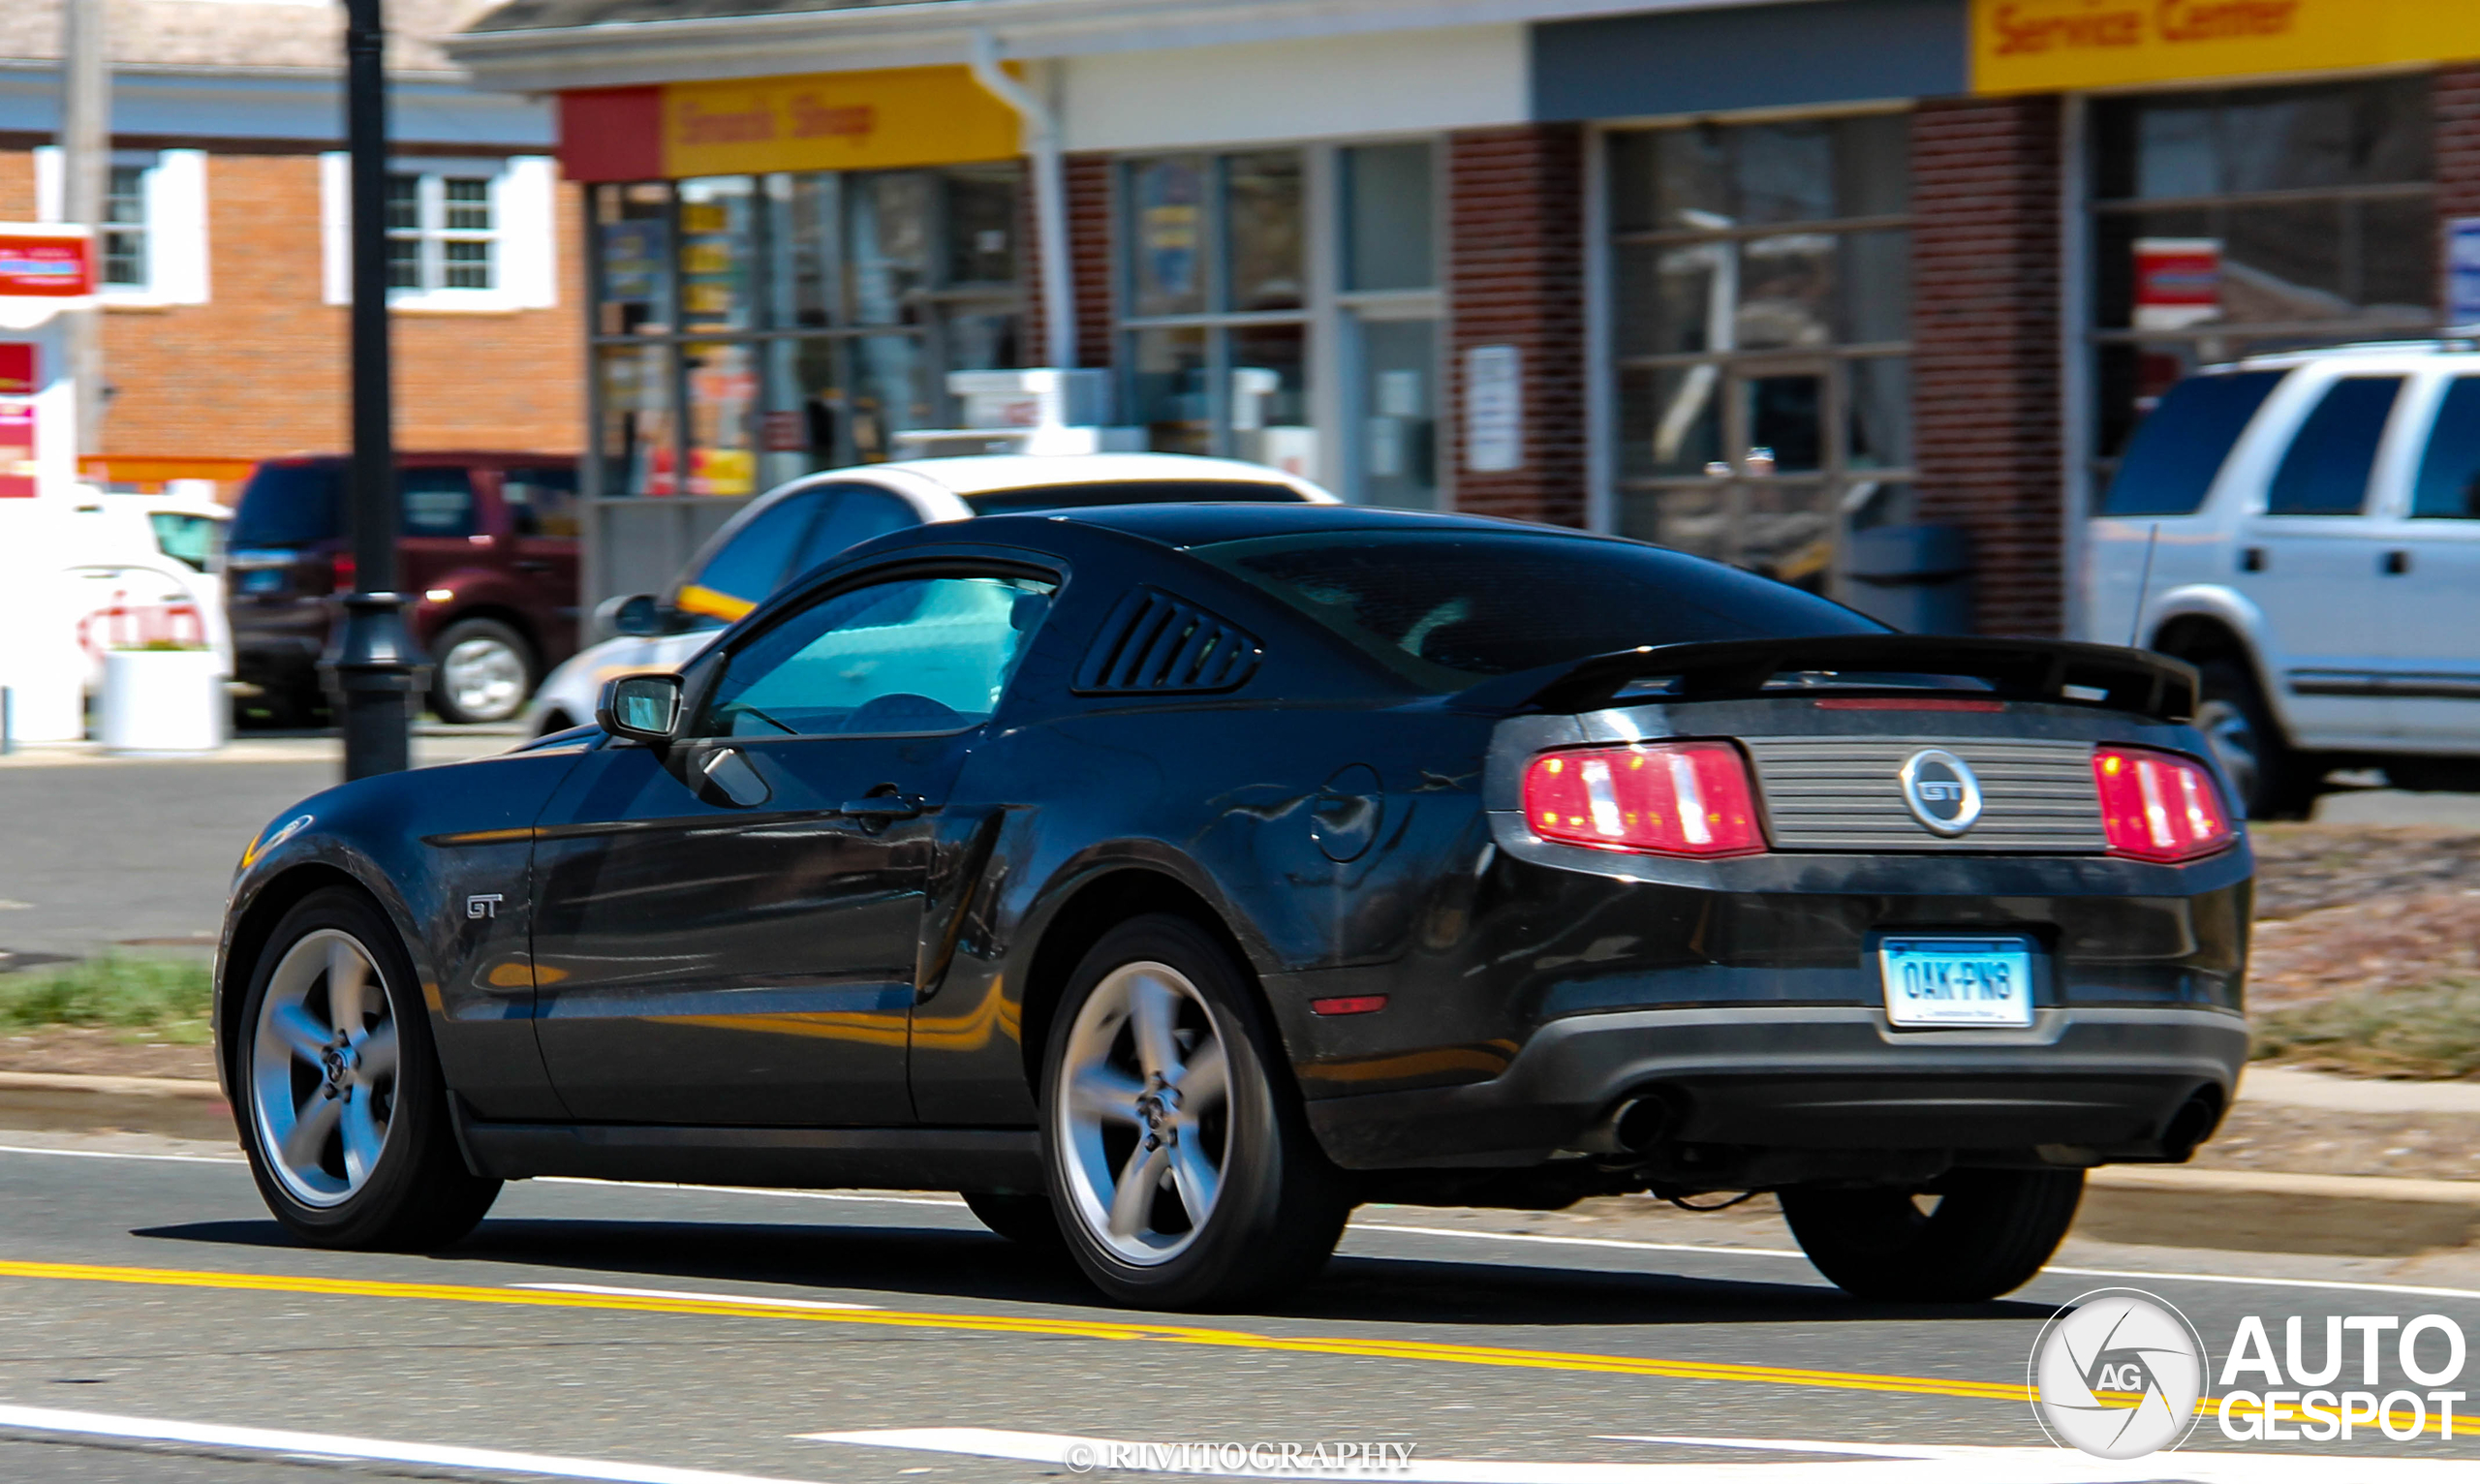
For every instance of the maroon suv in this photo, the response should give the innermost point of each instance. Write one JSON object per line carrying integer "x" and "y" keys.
{"x": 488, "y": 558}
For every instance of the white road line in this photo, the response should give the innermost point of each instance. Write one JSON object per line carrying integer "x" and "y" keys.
{"x": 122, "y": 1154}
{"x": 1861, "y": 1464}
{"x": 702, "y": 1298}
{"x": 251, "y": 1440}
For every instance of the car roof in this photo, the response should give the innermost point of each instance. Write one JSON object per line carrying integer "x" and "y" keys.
{"x": 2411, "y": 352}
{"x": 984, "y": 473}
{"x": 1199, "y": 523}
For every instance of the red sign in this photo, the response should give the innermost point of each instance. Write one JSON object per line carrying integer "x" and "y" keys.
{"x": 16, "y": 451}
{"x": 2178, "y": 282}
{"x": 42, "y": 265}
{"x": 17, "y": 368}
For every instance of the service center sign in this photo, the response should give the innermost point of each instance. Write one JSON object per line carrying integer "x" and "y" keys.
{"x": 48, "y": 264}
{"x": 2041, "y": 46}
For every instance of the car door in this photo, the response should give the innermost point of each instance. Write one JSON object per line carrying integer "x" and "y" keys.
{"x": 2309, "y": 561}
{"x": 2429, "y": 586}
{"x": 729, "y": 928}
{"x": 441, "y": 524}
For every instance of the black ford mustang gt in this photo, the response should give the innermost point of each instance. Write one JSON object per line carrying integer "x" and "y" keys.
{"x": 1170, "y": 878}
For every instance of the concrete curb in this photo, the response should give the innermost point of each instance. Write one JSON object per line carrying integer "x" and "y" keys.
{"x": 2159, "y": 1205}
{"x": 180, "y": 1106}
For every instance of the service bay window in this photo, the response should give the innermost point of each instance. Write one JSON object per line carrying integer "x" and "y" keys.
{"x": 1760, "y": 328}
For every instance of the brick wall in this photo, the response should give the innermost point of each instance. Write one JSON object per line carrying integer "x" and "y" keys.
{"x": 260, "y": 368}
{"x": 1987, "y": 404}
{"x": 1089, "y": 249}
{"x": 1516, "y": 276}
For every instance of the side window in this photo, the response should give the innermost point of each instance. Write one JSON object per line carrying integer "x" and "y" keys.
{"x": 540, "y": 501}
{"x": 438, "y": 502}
{"x": 2449, "y": 486}
{"x": 860, "y": 513}
{"x": 2170, "y": 464}
{"x": 924, "y": 654}
{"x": 2326, "y": 470}
{"x": 751, "y": 565}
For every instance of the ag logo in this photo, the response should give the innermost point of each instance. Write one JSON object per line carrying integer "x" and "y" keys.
{"x": 1940, "y": 791}
{"x": 2117, "y": 1373}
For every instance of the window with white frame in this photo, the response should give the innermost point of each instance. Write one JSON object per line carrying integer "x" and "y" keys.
{"x": 462, "y": 235}
{"x": 152, "y": 241}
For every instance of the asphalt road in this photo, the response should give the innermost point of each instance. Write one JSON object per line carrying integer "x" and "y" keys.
{"x": 161, "y": 1328}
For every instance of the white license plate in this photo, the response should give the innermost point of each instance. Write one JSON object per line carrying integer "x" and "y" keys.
{"x": 1957, "y": 981}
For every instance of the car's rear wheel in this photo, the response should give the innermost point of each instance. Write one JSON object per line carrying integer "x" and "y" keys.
{"x": 1180, "y": 1163}
{"x": 2272, "y": 780}
{"x": 341, "y": 1106}
{"x": 486, "y": 671}
{"x": 1024, "y": 1220}
{"x": 1968, "y": 1236}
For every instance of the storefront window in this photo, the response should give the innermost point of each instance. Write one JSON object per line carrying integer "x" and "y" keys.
{"x": 1760, "y": 330}
{"x": 2248, "y": 220}
{"x": 751, "y": 330}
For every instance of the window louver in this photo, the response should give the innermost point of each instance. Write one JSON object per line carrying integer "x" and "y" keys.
{"x": 1155, "y": 643}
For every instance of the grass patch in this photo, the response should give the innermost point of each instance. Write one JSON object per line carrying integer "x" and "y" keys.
{"x": 2430, "y": 1034}
{"x": 168, "y": 999}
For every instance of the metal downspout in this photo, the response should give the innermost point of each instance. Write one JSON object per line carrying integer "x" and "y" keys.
{"x": 1050, "y": 198}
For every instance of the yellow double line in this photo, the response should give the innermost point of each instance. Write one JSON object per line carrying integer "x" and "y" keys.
{"x": 1056, "y": 1328}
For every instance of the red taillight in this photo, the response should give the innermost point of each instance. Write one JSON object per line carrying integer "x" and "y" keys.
{"x": 2160, "y": 806}
{"x": 1667, "y": 798}
{"x": 346, "y": 572}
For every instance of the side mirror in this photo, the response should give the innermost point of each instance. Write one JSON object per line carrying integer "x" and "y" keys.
{"x": 637, "y": 615}
{"x": 639, "y": 709}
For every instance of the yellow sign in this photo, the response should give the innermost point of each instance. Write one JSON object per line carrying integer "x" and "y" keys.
{"x": 2045, "y": 45}
{"x": 834, "y": 121}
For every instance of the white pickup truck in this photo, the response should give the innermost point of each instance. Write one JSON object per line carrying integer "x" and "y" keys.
{"x": 2304, "y": 528}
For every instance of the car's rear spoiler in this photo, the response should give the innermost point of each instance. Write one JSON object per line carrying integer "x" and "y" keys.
{"x": 2104, "y": 675}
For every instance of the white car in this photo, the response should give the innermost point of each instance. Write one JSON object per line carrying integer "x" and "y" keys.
{"x": 2304, "y": 528}
{"x": 797, "y": 525}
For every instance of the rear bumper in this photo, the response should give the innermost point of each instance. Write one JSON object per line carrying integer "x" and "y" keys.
{"x": 2104, "y": 1080}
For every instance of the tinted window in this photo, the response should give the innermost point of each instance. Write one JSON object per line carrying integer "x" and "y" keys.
{"x": 2325, "y": 472}
{"x": 1444, "y": 611}
{"x": 2171, "y": 462}
{"x": 1068, "y": 497}
{"x": 752, "y": 564}
{"x": 187, "y": 539}
{"x": 2450, "y": 471}
{"x": 857, "y": 515}
{"x": 540, "y": 501}
{"x": 927, "y": 654}
{"x": 290, "y": 505}
{"x": 437, "y": 502}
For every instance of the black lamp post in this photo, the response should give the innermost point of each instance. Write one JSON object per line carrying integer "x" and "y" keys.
{"x": 374, "y": 670}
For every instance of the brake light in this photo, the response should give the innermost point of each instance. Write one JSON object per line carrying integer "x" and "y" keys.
{"x": 1662, "y": 799}
{"x": 346, "y": 572}
{"x": 2160, "y": 806}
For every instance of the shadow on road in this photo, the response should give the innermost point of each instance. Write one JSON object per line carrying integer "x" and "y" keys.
{"x": 938, "y": 1263}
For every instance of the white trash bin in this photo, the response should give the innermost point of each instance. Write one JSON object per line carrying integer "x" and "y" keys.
{"x": 162, "y": 701}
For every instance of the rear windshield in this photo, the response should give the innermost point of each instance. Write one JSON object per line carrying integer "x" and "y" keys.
{"x": 1445, "y": 612}
{"x": 2171, "y": 462}
{"x": 1070, "y": 496}
{"x": 289, "y": 505}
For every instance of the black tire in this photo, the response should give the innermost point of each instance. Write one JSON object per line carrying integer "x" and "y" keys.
{"x": 482, "y": 670}
{"x": 1024, "y": 1220}
{"x": 2272, "y": 779}
{"x": 1989, "y": 1233}
{"x": 418, "y": 1194}
{"x": 1278, "y": 1205}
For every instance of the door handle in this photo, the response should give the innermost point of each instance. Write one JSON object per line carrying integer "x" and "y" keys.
{"x": 533, "y": 566}
{"x": 2252, "y": 558}
{"x": 884, "y": 808}
{"x": 2394, "y": 563}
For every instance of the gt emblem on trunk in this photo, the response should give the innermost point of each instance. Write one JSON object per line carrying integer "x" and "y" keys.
{"x": 1940, "y": 791}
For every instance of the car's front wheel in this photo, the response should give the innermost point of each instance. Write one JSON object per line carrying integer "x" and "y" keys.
{"x": 1968, "y": 1236}
{"x": 341, "y": 1106}
{"x": 2272, "y": 781}
{"x": 1181, "y": 1165}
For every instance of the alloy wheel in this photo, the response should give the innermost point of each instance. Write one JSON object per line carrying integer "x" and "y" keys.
{"x": 2234, "y": 742}
{"x": 1142, "y": 1113}
{"x": 484, "y": 678}
{"x": 323, "y": 1068}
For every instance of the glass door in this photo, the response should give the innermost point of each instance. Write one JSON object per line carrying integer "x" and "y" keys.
{"x": 1394, "y": 408}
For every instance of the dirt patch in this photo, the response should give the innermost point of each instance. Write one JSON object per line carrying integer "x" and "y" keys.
{"x": 103, "y": 1049}
{"x": 2386, "y": 942}
{"x": 2302, "y": 867}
